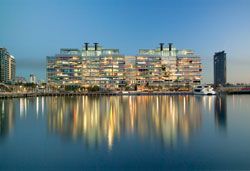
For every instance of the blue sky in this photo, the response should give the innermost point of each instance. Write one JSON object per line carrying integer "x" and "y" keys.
{"x": 34, "y": 29}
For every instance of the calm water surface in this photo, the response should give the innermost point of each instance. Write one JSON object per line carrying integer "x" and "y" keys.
{"x": 75, "y": 133}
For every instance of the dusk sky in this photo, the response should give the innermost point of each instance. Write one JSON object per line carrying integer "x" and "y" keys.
{"x": 34, "y": 29}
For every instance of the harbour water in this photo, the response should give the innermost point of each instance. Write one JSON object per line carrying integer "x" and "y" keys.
{"x": 131, "y": 132}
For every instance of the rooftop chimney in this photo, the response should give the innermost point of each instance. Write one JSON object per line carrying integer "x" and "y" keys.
{"x": 161, "y": 46}
{"x": 96, "y": 45}
{"x": 170, "y": 46}
{"x": 86, "y": 46}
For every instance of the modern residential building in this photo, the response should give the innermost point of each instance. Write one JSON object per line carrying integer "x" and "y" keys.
{"x": 148, "y": 70}
{"x": 7, "y": 66}
{"x": 65, "y": 68}
{"x": 91, "y": 64}
{"x": 112, "y": 69}
{"x": 168, "y": 66}
{"x": 103, "y": 67}
{"x": 130, "y": 71}
{"x": 94, "y": 65}
{"x": 189, "y": 68}
{"x": 220, "y": 68}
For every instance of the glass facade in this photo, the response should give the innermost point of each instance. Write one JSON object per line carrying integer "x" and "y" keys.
{"x": 189, "y": 70}
{"x": 130, "y": 71}
{"x": 148, "y": 70}
{"x": 112, "y": 68}
{"x": 91, "y": 66}
{"x": 65, "y": 68}
{"x": 168, "y": 66}
{"x": 103, "y": 67}
{"x": 108, "y": 69}
{"x": 220, "y": 76}
{"x": 7, "y": 66}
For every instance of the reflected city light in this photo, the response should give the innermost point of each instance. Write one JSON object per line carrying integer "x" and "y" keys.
{"x": 42, "y": 105}
{"x": 23, "y": 107}
{"x": 37, "y": 106}
{"x": 7, "y": 116}
{"x": 210, "y": 103}
{"x": 3, "y": 107}
{"x": 107, "y": 119}
{"x": 98, "y": 119}
{"x": 220, "y": 111}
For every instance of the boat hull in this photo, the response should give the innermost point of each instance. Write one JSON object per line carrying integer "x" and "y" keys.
{"x": 208, "y": 93}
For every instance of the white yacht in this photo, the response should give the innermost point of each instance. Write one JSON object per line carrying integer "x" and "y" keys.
{"x": 204, "y": 90}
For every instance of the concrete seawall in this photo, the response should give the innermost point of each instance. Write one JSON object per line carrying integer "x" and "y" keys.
{"x": 22, "y": 95}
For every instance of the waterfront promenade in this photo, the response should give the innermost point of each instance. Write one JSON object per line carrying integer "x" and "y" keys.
{"x": 117, "y": 93}
{"x": 35, "y": 94}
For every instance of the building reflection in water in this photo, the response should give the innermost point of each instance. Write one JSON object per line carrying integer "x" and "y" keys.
{"x": 23, "y": 107}
{"x": 207, "y": 102}
{"x": 31, "y": 105}
{"x": 7, "y": 111}
{"x": 220, "y": 111}
{"x": 105, "y": 119}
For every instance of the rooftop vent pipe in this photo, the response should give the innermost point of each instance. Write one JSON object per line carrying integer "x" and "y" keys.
{"x": 170, "y": 46}
{"x": 96, "y": 45}
{"x": 86, "y": 46}
{"x": 161, "y": 46}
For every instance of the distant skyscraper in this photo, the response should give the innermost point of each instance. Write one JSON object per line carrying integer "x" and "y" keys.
{"x": 220, "y": 75}
{"x": 32, "y": 78}
{"x": 7, "y": 66}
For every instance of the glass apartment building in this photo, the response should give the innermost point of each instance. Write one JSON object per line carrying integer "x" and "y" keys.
{"x": 108, "y": 69}
{"x": 103, "y": 67}
{"x": 130, "y": 71}
{"x": 168, "y": 66}
{"x": 220, "y": 75}
{"x": 148, "y": 70}
{"x": 189, "y": 68}
{"x": 112, "y": 70}
{"x": 7, "y": 66}
{"x": 65, "y": 68}
{"x": 91, "y": 65}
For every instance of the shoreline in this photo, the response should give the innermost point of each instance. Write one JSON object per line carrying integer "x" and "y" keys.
{"x": 51, "y": 94}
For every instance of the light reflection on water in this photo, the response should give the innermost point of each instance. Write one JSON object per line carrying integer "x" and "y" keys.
{"x": 144, "y": 128}
{"x": 102, "y": 119}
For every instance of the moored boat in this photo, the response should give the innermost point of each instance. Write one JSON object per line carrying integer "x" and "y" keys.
{"x": 204, "y": 90}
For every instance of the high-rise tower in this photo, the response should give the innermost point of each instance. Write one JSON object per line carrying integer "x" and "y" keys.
{"x": 7, "y": 66}
{"x": 220, "y": 75}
